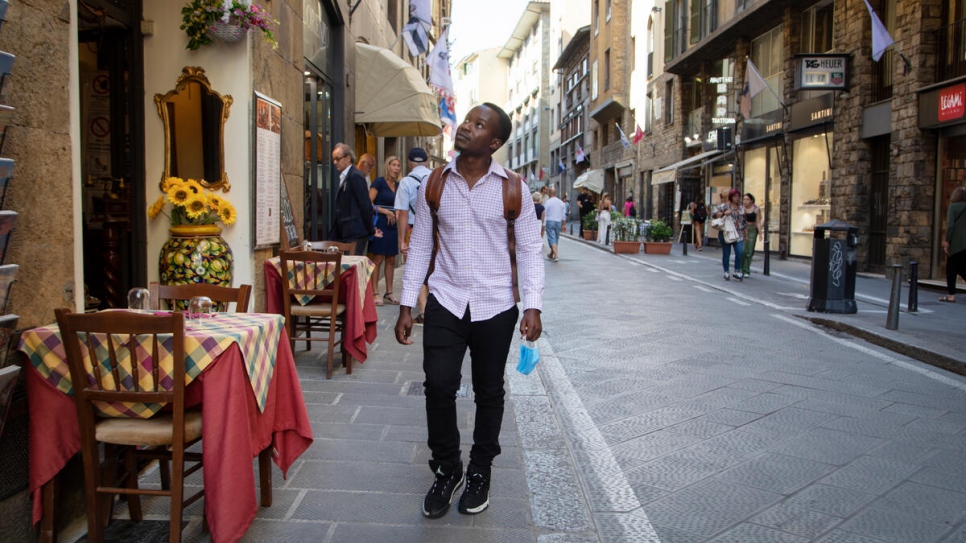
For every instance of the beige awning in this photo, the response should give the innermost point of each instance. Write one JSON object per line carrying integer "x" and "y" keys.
{"x": 681, "y": 165}
{"x": 392, "y": 99}
{"x": 593, "y": 180}
{"x": 659, "y": 178}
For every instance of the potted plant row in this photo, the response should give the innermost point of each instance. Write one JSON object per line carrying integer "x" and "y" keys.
{"x": 627, "y": 236}
{"x": 658, "y": 238}
{"x": 589, "y": 222}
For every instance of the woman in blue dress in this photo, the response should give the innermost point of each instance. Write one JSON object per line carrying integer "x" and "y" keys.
{"x": 384, "y": 249}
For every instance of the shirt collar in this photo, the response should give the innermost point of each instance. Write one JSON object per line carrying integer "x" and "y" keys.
{"x": 495, "y": 168}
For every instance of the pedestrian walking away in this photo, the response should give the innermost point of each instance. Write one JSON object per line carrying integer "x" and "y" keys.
{"x": 753, "y": 217}
{"x": 699, "y": 214}
{"x": 538, "y": 209}
{"x": 954, "y": 244}
{"x": 406, "y": 211}
{"x": 555, "y": 212}
{"x": 352, "y": 220}
{"x": 471, "y": 302}
{"x": 384, "y": 250}
{"x": 731, "y": 232}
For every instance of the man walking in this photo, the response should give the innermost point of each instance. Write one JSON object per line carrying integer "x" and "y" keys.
{"x": 585, "y": 205}
{"x": 471, "y": 304}
{"x": 406, "y": 210}
{"x": 555, "y": 212}
{"x": 352, "y": 222}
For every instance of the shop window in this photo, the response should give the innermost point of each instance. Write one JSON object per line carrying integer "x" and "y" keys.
{"x": 810, "y": 194}
{"x": 762, "y": 179}
{"x": 766, "y": 53}
{"x": 951, "y": 42}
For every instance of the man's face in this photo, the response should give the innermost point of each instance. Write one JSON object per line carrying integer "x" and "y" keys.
{"x": 478, "y": 133}
{"x": 341, "y": 161}
{"x": 366, "y": 166}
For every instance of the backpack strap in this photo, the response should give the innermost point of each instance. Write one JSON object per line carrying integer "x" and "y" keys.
{"x": 512, "y": 202}
{"x": 434, "y": 192}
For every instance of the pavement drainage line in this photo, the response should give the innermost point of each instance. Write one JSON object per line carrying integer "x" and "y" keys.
{"x": 295, "y": 504}
{"x": 926, "y": 372}
{"x": 616, "y": 490}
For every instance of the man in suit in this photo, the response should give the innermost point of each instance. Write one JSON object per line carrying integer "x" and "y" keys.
{"x": 353, "y": 208}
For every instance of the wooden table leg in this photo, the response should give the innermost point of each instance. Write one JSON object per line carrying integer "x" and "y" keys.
{"x": 48, "y": 533}
{"x": 265, "y": 476}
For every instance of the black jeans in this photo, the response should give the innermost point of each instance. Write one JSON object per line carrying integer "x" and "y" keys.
{"x": 955, "y": 265}
{"x": 445, "y": 340}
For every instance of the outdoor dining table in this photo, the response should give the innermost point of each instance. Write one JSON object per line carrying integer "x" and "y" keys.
{"x": 239, "y": 368}
{"x": 355, "y": 292}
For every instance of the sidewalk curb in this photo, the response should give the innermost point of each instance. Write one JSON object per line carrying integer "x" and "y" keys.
{"x": 918, "y": 353}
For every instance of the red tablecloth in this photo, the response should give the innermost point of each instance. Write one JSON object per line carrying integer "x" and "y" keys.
{"x": 233, "y": 433}
{"x": 361, "y": 316}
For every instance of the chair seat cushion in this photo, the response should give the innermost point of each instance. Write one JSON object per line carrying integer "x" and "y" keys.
{"x": 157, "y": 430}
{"x": 316, "y": 310}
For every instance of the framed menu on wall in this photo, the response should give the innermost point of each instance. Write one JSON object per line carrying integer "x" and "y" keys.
{"x": 267, "y": 143}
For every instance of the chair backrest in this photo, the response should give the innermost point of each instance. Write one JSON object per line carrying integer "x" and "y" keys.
{"x": 315, "y": 273}
{"x": 345, "y": 247}
{"x": 114, "y": 336}
{"x": 222, "y": 295}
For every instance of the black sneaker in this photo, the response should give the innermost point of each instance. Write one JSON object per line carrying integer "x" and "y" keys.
{"x": 476, "y": 495}
{"x": 440, "y": 495}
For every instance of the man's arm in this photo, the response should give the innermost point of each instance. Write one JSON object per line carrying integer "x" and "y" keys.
{"x": 417, "y": 264}
{"x": 403, "y": 198}
{"x": 530, "y": 270}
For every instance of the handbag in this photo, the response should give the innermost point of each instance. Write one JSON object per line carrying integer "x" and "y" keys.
{"x": 730, "y": 232}
{"x": 717, "y": 223}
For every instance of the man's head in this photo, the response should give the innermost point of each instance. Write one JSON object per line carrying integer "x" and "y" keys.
{"x": 484, "y": 130}
{"x": 366, "y": 163}
{"x": 417, "y": 156}
{"x": 544, "y": 189}
{"x": 342, "y": 157}
{"x": 552, "y": 192}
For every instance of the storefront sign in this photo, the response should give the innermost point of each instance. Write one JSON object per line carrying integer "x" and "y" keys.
{"x": 766, "y": 126}
{"x": 815, "y": 111}
{"x": 821, "y": 72}
{"x": 942, "y": 106}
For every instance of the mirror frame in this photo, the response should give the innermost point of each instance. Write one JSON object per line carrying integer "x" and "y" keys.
{"x": 194, "y": 74}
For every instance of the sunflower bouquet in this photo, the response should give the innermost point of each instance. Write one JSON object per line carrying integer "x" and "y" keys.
{"x": 192, "y": 204}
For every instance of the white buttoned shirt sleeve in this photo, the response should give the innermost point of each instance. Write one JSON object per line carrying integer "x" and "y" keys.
{"x": 473, "y": 265}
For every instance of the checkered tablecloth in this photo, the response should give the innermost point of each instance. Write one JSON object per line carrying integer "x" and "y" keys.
{"x": 256, "y": 334}
{"x": 298, "y": 279}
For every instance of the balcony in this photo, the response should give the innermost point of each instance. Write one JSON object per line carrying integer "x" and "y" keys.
{"x": 951, "y": 45}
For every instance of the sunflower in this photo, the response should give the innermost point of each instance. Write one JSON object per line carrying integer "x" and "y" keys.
{"x": 170, "y": 182}
{"x": 196, "y": 206}
{"x": 156, "y": 207}
{"x": 194, "y": 186}
{"x": 215, "y": 202}
{"x": 178, "y": 193}
{"x": 228, "y": 214}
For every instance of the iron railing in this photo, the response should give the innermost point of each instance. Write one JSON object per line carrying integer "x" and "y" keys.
{"x": 951, "y": 45}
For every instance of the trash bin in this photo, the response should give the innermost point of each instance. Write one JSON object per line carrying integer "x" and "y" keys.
{"x": 832, "y": 289}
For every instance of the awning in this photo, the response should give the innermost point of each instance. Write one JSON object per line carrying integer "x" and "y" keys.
{"x": 392, "y": 99}
{"x": 659, "y": 178}
{"x": 696, "y": 158}
{"x": 592, "y": 180}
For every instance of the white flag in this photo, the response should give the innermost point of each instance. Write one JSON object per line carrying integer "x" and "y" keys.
{"x": 754, "y": 84}
{"x": 580, "y": 155}
{"x": 414, "y": 34}
{"x": 880, "y": 36}
{"x": 624, "y": 141}
{"x": 440, "y": 75}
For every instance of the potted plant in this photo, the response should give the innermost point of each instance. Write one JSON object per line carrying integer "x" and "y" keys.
{"x": 589, "y": 222}
{"x": 658, "y": 238}
{"x": 225, "y": 20}
{"x": 627, "y": 236}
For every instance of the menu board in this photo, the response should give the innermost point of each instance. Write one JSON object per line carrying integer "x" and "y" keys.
{"x": 268, "y": 169}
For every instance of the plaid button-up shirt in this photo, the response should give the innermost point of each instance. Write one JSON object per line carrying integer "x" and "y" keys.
{"x": 473, "y": 264}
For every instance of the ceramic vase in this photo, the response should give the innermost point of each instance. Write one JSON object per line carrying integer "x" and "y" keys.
{"x": 196, "y": 254}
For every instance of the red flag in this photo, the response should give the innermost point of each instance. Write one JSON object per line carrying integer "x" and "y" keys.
{"x": 638, "y": 135}
{"x": 542, "y": 173}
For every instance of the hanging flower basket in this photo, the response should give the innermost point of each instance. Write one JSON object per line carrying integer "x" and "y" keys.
{"x": 226, "y": 33}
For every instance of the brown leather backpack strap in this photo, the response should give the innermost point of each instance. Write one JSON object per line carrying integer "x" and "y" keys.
{"x": 512, "y": 202}
{"x": 434, "y": 192}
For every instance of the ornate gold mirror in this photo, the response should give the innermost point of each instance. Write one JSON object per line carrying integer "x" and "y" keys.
{"x": 194, "y": 130}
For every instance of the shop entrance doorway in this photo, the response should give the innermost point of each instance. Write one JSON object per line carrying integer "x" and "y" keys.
{"x": 878, "y": 208}
{"x": 319, "y": 171}
{"x": 110, "y": 58}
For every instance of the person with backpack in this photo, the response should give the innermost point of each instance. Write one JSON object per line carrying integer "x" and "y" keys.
{"x": 699, "y": 214}
{"x": 405, "y": 206}
{"x": 469, "y": 215}
{"x": 954, "y": 242}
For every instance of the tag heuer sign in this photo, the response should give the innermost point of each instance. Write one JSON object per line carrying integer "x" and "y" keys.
{"x": 821, "y": 72}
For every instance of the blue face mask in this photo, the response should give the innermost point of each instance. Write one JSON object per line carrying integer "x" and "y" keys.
{"x": 529, "y": 356}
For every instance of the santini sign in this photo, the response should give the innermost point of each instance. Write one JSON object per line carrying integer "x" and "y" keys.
{"x": 821, "y": 72}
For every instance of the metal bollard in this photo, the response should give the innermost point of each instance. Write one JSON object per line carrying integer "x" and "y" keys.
{"x": 913, "y": 305}
{"x": 892, "y": 319}
{"x": 607, "y": 236}
{"x": 767, "y": 262}
{"x": 684, "y": 242}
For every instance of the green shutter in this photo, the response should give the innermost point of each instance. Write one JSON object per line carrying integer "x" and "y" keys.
{"x": 668, "y": 31}
{"x": 695, "y": 21}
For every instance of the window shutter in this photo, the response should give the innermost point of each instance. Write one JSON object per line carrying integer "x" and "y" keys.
{"x": 668, "y": 31}
{"x": 695, "y": 21}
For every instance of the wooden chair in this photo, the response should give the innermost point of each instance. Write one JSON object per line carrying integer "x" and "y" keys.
{"x": 324, "y": 313}
{"x": 167, "y": 434}
{"x": 345, "y": 247}
{"x": 222, "y": 295}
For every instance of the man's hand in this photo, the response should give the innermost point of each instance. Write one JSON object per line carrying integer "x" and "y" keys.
{"x": 404, "y": 248}
{"x": 404, "y": 325}
{"x": 530, "y": 326}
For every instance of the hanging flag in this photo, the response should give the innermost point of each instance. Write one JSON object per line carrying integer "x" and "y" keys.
{"x": 441, "y": 78}
{"x": 580, "y": 154}
{"x": 415, "y": 31}
{"x": 638, "y": 135}
{"x": 881, "y": 39}
{"x": 533, "y": 176}
{"x": 754, "y": 84}
{"x": 562, "y": 167}
{"x": 624, "y": 141}
{"x": 523, "y": 176}
{"x": 543, "y": 172}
